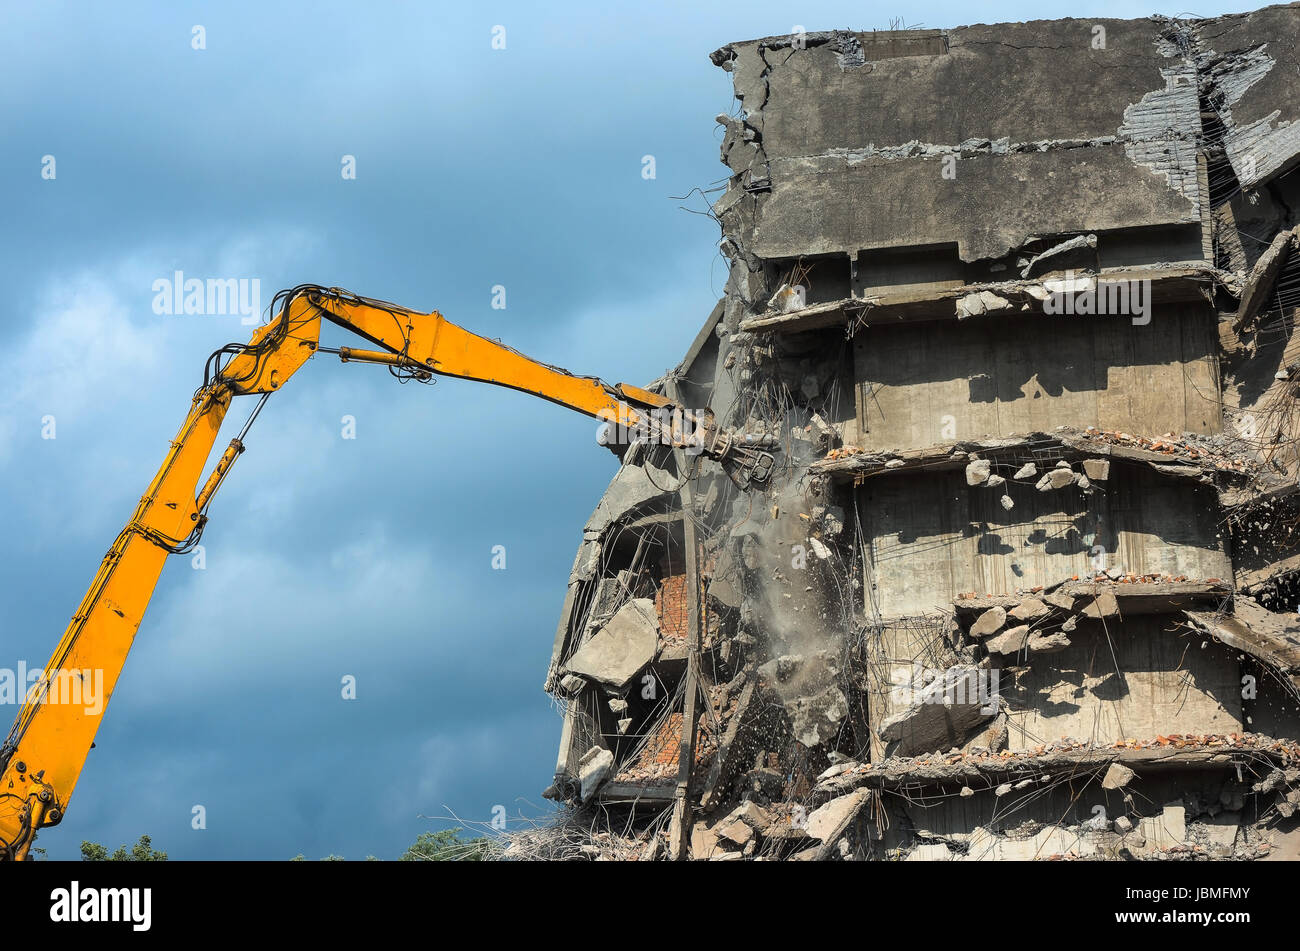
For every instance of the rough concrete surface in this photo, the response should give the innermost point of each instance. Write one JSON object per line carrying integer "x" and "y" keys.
{"x": 1024, "y": 580}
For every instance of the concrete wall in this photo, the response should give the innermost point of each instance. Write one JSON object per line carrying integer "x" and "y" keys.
{"x": 909, "y": 81}
{"x": 856, "y": 135}
{"x": 832, "y": 206}
{"x": 998, "y": 376}
{"x": 1167, "y": 683}
{"x": 932, "y": 537}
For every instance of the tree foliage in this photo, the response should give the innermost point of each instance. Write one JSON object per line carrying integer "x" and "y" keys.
{"x": 142, "y": 851}
{"x": 446, "y": 846}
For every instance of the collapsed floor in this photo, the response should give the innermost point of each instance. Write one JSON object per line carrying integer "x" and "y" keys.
{"x": 1025, "y": 583}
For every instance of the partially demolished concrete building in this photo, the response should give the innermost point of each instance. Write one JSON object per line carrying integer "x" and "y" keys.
{"x": 1019, "y": 302}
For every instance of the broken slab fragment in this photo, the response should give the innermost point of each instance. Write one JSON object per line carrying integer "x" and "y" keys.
{"x": 734, "y": 831}
{"x": 571, "y": 684}
{"x": 622, "y": 648}
{"x": 1078, "y": 243}
{"x": 1102, "y": 606}
{"x": 594, "y": 768}
{"x": 977, "y": 472}
{"x": 988, "y": 623}
{"x": 941, "y": 712}
{"x": 817, "y": 719}
{"x": 1098, "y": 470}
{"x": 610, "y": 592}
{"x": 704, "y": 842}
{"x": 836, "y": 770}
{"x": 1259, "y": 285}
{"x": 1057, "y": 479}
{"x": 637, "y": 482}
{"x": 830, "y": 821}
{"x": 981, "y": 302}
{"x": 751, "y": 813}
{"x": 1040, "y": 643}
{"x": 1028, "y": 610}
{"x": 1117, "y": 776}
{"x": 1009, "y": 641}
{"x": 1062, "y": 599}
{"x": 1165, "y": 830}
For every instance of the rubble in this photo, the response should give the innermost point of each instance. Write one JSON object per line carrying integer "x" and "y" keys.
{"x": 593, "y": 770}
{"x": 830, "y": 821}
{"x": 621, "y": 649}
{"x": 990, "y": 622}
{"x": 1024, "y": 583}
{"x": 1117, "y": 776}
{"x": 1010, "y": 641}
{"x": 941, "y": 711}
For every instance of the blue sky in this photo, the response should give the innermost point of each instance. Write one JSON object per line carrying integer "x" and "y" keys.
{"x": 325, "y": 556}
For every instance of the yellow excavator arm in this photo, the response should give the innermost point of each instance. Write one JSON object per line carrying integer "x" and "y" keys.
{"x": 44, "y": 752}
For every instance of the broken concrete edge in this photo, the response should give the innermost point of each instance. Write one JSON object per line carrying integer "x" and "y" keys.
{"x": 1269, "y": 637}
{"x": 1263, "y": 276}
{"x": 992, "y": 769}
{"x": 1261, "y": 579}
{"x": 1073, "y": 444}
{"x": 938, "y": 712}
{"x": 620, "y": 648}
{"x": 811, "y": 39}
{"x": 1175, "y": 283}
{"x": 1238, "y": 500}
{"x": 560, "y": 645}
{"x": 594, "y": 769}
{"x": 1203, "y": 62}
{"x": 1083, "y": 591}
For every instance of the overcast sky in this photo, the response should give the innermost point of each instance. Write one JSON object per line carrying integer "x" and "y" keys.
{"x": 327, "y": 557}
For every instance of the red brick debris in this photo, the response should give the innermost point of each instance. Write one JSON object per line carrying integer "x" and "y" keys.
{"x": 670, "y": 604}
{"x": 1172, "y": 445}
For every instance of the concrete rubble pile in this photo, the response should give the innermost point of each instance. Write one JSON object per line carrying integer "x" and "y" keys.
{"x": 1018, "y": 302}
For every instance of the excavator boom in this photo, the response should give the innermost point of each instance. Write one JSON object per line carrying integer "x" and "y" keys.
{"x": 44, "y": 752}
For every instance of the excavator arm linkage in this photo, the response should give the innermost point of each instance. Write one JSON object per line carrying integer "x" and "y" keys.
{"x": 46, "y": 748}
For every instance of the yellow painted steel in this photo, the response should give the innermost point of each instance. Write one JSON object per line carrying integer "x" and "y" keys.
{"x": 432, "y": 341}
{"x": 51, "y": 735}
{"x": 44, "y": 753}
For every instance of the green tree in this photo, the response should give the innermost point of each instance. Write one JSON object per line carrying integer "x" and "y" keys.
{"x": 142, "y": 851}
{"x": 447, "y": 846}
{"x": 329, "y": 858}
